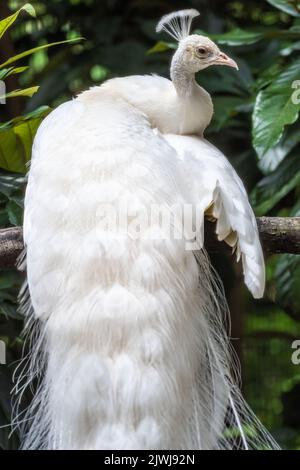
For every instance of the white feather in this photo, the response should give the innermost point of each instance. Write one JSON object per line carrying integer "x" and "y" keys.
{"x": 216, "y": 187}
{"x": 178, "y": 23}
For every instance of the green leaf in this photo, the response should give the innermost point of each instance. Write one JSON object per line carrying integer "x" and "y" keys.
{"x": 292, "y": 7}
{"x": 4, "y": 222}
{"x": 241, "y": 37}
{"x": 9, "y": 310}
{"x": 4, "y": 73}
{"x": 9, "y": 279}
{"x": 268, "y": 76}
{"x": 289, "y": 48}
{"x": 16, "y": 142}
{"x": 10, "y": 183}
{"x": 15, "y": 213}
{"x": 36, "y": 49}
{"x": 42, "y": 111}
{"x": 162, "y": 46}
{"x": 25, "y": 92}
{"x": 7, "y": 22}
{"x": 226, "y": 108}
{"x": 271, "y": 189}
{"x": 16, "y": 70}
{"x": 277, "y": 154}
{"x": 274, "y": 109}
{"x": 238, "y": 37}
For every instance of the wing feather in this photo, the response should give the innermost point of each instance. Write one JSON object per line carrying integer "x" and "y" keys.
{"x": 219, "y": 192}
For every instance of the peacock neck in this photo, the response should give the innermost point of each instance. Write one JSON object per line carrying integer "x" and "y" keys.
{"x": 183, "y": 80}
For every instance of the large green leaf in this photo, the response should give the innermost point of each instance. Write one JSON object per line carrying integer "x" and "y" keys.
{"x": 11, "y": 183}
{"x": 274, "y": 109}
{"x": 271, "y": 189}
{"x": 277, "y": 154}
{"x": 24, "y": 92}
{"x": 16, "y": 142}
{"x": 241, "y": 37}
{"x": 35, "y": 49}
{"x": 292, "y": 7}
{"x": 7, "y": 22}
{"x": 238, "y": 37}
{"x": 39, "y": 112}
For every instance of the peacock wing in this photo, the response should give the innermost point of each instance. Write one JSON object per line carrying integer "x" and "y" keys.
{"x": 219, "y": 193}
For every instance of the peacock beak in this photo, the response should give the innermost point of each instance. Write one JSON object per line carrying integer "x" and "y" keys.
{"x": 223, "y": 59}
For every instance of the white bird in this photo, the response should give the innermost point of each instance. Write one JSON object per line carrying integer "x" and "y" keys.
{"x": 126, "y": 323}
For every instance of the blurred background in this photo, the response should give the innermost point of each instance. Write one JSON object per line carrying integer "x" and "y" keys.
{"x": 255, "y": 124}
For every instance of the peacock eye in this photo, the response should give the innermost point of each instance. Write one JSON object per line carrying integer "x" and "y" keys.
{"x": 202, "y": 51}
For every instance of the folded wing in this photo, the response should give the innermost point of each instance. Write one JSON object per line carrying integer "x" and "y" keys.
{"x": 219, "y": 193}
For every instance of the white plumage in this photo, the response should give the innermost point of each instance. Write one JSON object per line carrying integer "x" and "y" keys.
{"x": 129, "y": 329}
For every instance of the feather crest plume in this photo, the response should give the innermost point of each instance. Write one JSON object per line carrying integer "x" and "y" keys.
{"x": 178, "y": 23}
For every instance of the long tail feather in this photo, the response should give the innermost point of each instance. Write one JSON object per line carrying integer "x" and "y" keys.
{"x": 215, "y": 417}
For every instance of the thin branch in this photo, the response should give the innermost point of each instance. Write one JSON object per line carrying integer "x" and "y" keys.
{"x": 278, "y": 235}
{"x": 11, "y": 246}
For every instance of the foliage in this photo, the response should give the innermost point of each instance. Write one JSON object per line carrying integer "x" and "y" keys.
{"x": 256, "y": 124}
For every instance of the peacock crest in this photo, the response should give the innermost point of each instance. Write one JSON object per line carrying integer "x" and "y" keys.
{"x": 178, "y": 23}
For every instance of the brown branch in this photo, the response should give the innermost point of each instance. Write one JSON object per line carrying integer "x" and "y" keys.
{"x": 11, "y": 246}
{"x": 278, "y": 235}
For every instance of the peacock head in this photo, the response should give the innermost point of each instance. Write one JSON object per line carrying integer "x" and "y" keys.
{"x": 195, "y": 52}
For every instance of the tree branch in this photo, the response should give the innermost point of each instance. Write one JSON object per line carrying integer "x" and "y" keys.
{"x": 278, "y": 235}
{"x": 11, "y": 246}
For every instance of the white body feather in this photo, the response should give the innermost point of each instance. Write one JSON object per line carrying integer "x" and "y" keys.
{"x": 132, "y": 330}
{"x": 113, "y": 308}
{"x": 148, "y": 93}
